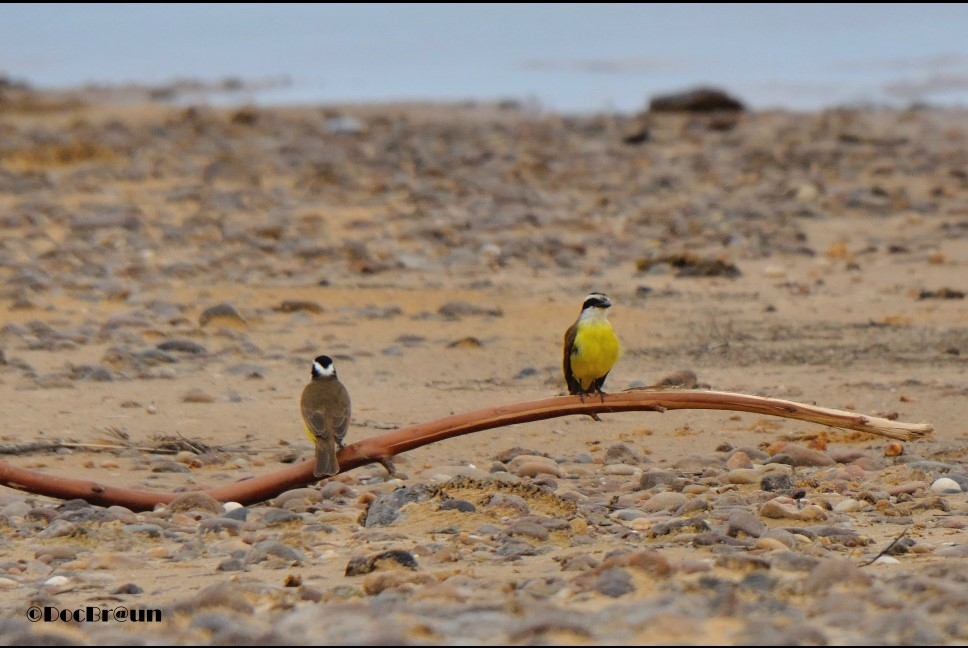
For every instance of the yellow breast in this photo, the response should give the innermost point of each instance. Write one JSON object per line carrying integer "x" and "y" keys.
{"x": 595, "y": 352}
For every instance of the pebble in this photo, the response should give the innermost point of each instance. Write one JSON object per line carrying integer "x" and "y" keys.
{"x": 739, "y": 459}
{"x": 784, "y": 507}
{"x": 952, "y": 551}
{"x": 535, "y": 468}
{"x": 267, "y": 549}
{"x": 183, "y": 346}
{"x": 379, "y": 582}
{"x": 197, "y": 396}
{"x": 458, "y": 505}
{"x": 195, "y": 501}
{"x": 626, "y": 514}
{"x": 757, "y": 474}
{"x": 746, "y": 523}
{"x": 907, "y": 487}
{"x": 770, "y": 544}
{"x": 311, "y": 495}
{"x": 59, "y": 529}
{"x": 223, "y": 314}
{"x": 614, "y": 582}
{"x": 392, "y": 559}
{"x": 850, "y": 505}
{"x": 150, "y": 530}
{"x": 218, "y": 524}
{"x": 945, "y": 485}
{"x": 459, "y": 309}
{"x": 776, "y": 482}
{"x": 15, "y": 509}
{"x": 621, "y": 469}
{"x": 524, "y": 527}
{"x": 664, "y": 501}
{"x": 653, "y": 478}
{"x": 622, "y": 453}
{"x": 792, "y": 454}
{"x": 385, "y": 509}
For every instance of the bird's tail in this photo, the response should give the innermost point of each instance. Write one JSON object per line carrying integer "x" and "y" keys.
{"x": 326, "y": 464}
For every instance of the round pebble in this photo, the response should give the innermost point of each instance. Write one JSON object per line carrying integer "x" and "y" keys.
{"x": 945, "y": 485}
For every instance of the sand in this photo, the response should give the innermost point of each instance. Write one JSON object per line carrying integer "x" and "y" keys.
{"x": 438, "y": 253}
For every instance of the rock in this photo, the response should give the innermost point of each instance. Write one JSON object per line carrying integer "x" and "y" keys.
{"x": 652, "y": 478}
{"x": 792, "y": 454}
{"x": 392, "y": 559}
{"x": 200, "y": 501}
{"x": 385, "y": 508}
{"x": 528, "y": 528}
{"x": 274, "y": 548}
{"x": 622, "y": 453}
{"x": 945, "y": 485}
{"x": 182, "y": 346}
{"x": 739, "y": 460}
{"x": 746, "y": 523}
{"x": 664, "y": 501}
{"x": 698, "y": 100}
{"x": 458, "y": 309}
{"x": 223, "y": 314}
{"x": 784, "y": 507}
{"x": 613, "y": 582}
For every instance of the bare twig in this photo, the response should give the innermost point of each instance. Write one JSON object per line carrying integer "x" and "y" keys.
{"x": 57, "y": 444}
{"x": 382, "y": 448}
{"x": 30, "y": 446}
{"x": 175, "y": 444}
{"x": 886, "y": 549}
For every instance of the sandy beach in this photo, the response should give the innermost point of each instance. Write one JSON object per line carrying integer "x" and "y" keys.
{"x": 438, "y": 253}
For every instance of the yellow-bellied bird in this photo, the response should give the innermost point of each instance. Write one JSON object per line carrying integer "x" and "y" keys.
{"x": 591, "y": 348}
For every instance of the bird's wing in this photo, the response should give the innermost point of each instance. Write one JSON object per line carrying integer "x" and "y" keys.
{"x": 341, "y": 420}
{"x": 573, "y": 385}
{"x": 316, "y": 421}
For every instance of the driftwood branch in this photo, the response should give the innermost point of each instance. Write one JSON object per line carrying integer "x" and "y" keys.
{"x": 381, "y": 448}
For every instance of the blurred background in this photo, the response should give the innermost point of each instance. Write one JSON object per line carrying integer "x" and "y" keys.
{"x": 566, "y": 58}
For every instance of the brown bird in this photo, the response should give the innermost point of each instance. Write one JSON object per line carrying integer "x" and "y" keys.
{"x": 325, "y": 408}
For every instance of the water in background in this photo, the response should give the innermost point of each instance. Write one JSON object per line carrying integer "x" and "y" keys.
{"x": 571, "y": 58}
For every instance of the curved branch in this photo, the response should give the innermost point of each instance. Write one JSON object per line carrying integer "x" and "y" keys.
{"x": 381, "y": 448}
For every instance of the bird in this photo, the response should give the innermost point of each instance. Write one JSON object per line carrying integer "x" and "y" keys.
{"x": 325, "y": 406}
{"x": 591, "y": 348}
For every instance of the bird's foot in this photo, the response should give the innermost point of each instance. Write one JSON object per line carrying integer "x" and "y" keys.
{"x": 581, "y": 395}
